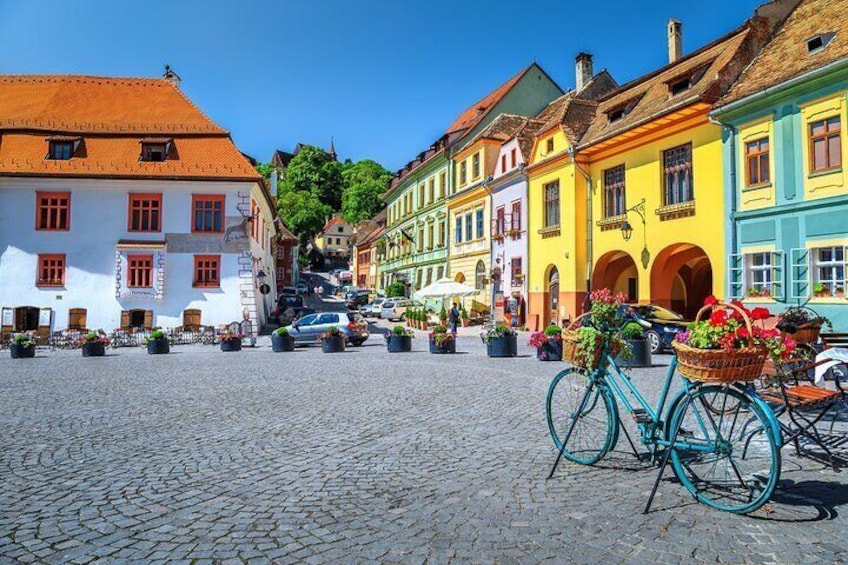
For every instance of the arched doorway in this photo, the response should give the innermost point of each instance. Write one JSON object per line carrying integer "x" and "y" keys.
{"x": 552, "y": 297}
{"x": 681, "y": 278}
{"x": 616, "y": 270}
{"x": 480, "y": 275}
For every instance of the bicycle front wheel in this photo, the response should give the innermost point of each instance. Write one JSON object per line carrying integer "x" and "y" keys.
{"x": 726, "y": 455}
{"x": 583, "y": 415}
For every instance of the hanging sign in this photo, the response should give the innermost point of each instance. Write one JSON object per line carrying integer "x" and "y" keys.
{"x": 264, "y": 289}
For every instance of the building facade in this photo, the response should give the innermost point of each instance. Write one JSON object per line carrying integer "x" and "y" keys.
{"x": 113, "y": 214}
{"x": 334, "y": 241}
{"x": 286, "y": 263}
{"x": 784, "y": 149}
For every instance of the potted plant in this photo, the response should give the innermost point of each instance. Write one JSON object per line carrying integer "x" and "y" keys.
{"x": 637, "y": 352}
{"x": 463, "y": 314}
{"x": 333, "y": 341}
{"x": 586, "y": 338}
{"x": 802, "y": 324}
{"x": 442, "y": 341}
{"x": 410, "y": 317}
{"x": 158, "y": 342}
{"x": 399, "y": 340}
{"x": 94, "y": 344}
{"x": 548, "y": 343}
{"x": 443, "y": 317}
{"x": 281, "y": 340}
{"x": 22, "y": 347}
{"x": 839, "y": 291}
{"x": 230, "y": 341}
{"x": 500, "y": 341}
{"x": 821, "y": 290}
{"x": 754, "y": 292}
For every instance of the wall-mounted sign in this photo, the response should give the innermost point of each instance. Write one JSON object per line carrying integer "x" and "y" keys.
{"x": 264, "y": 289}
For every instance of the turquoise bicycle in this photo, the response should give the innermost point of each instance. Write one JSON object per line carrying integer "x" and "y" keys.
{"x": 721, "y": 440}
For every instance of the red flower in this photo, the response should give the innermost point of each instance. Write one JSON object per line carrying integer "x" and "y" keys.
{"x": 710, "y": 300}
{"x": 760, "y": 313}
{"x": 718, "y": 318}
{"x": 742, "y": 332}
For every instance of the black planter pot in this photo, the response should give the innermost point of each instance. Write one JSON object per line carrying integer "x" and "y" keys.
{"x": 93, "y": 349}
{"x": 447, "y": 346}
{"x": 506, "y": 346}
{"x": 641, "y": 354}
{"x": 158, "y": 346}
{"x": 231, "y": 345}
{"x": 21, "y": 351}
{"x": 550, "y": 351}
{"x": 399, "y": 344}
{"x": 333, "y": 344}
{"x": 280, "y": 343}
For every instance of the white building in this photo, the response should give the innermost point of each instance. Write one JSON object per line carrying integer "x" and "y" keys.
{"x": 123, "y": 205}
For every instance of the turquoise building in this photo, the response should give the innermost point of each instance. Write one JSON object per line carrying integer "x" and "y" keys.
{"x": 784, "y": 160}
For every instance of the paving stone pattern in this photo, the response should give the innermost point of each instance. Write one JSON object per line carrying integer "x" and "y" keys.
{"x": 254, "y": 457}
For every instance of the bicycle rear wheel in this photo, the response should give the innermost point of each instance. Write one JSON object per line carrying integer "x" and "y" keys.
{"x": 726, "y": 456}
{"x": 583, "y": 415}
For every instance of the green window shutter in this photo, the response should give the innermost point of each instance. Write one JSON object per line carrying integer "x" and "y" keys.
{"x": 736, "y": 276}
{"x": 777, "y": 276}
{"x": 799, "y": 274}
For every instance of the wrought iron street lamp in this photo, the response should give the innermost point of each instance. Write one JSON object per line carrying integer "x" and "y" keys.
{"x": 627, "y": 230}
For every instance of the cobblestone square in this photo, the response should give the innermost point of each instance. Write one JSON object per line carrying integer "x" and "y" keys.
{"x": 256, "y": 457}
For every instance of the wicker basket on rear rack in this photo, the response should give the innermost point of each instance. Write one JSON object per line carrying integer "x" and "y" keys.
{"x": 718, "y": 365}
{"x": 570, "y": 346}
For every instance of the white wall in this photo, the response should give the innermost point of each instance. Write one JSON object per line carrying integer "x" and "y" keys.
{"x": 507, "y": 248}
{"x": 98, "y": 221}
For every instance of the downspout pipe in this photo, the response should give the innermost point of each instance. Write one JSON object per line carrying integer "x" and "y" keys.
{"x": 589, "y": 189}
{"x": 731, "y": 193}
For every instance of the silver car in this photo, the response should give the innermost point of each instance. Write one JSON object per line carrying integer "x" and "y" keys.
{"x": 395, "y": 308}
{"x": 373, "y": 309}
{"x": 308, "y": 329}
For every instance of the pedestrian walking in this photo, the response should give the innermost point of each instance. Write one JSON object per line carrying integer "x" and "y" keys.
{"x": 453, "y": 317}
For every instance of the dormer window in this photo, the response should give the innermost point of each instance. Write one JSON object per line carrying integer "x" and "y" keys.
{"x": 819, "y": 42}
{"x": 615, "y": 114}
{"x": 679, "y": 86}
{"x": 61, "y": 148}
{"x": 683, "y": 82}
{"x": 154, "y": 150}
{"x": 549, "y": 145}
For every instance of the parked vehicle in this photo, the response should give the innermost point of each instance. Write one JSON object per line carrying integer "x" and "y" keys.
{"x": 302, "y": 288}
{"x": 289, "y": 308}
{"x": 288, "y": 290}
{"x": 358, "y": 299}
{"x": 372, "y": 309}
{"x": 661, "y": 324}
{"x": 395, "y": 308}
{"x": 310, "y": 328}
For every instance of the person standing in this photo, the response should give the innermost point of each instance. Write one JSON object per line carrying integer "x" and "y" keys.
{"x": 453, "y": 317}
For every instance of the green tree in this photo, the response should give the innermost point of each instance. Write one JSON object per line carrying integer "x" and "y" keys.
{"x": 302, "y": 211}
{"x": 364, "y": 182}
{"x": 312, "y": 171}
{"x": 395, "y": 289}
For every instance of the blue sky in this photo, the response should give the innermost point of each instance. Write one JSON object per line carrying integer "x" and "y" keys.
{"x": 385, "y": 77}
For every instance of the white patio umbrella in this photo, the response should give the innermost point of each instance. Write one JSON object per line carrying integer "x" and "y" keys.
{"x": 445, "y": 288}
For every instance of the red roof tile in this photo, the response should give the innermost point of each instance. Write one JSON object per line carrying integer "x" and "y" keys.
{"x": 474, "y": 114}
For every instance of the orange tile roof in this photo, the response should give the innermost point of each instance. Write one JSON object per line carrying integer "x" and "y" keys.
{"x": 111, "y": 116}
{"x": 474, "y": 114}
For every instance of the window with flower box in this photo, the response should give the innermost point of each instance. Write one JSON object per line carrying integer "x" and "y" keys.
{"x": 829, "y": 270}
{"x": 207, "y": 271}
{"x": 145, "y": 213}
{"x": 763, "y": 274}
{"x": 208, "y": 213}
{"x": 51, "y": 270}
{"x": 53, "y": 211}
{"x": 140, "y": 271}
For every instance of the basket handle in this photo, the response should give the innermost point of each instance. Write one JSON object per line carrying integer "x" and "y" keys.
{"x": 727, "y": 306}
{"x": 570, "y": 325}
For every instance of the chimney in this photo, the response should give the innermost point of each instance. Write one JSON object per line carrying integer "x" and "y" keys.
{"x": 675, "y": 40}
{"x": 583, "y": 69}
{"x": 171, "y": 76}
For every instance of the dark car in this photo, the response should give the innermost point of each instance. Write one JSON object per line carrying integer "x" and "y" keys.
{"x": 661, "y": 324}
{"x": 355, "y": 299}
{"x": 289, "y": 308}
{"x": 288, "y": 290}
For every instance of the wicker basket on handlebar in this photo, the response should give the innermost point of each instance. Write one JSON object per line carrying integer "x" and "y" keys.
{"x": 718, "y": 365}
{"x": 571, "y": 351}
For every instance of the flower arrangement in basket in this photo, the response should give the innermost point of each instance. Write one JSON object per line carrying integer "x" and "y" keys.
{"x": 802, "y": 324}
{"x": 727, "y": 346}
{"x": 583, "y": 340}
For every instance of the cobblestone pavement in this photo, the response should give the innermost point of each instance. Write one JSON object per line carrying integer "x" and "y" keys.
{"x": 254, "y": 457}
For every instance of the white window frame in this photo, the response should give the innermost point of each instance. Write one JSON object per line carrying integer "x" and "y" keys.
{"x": 833, "y": 283}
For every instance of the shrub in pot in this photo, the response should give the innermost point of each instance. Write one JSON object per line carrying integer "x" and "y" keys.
{"x": 281, "y": 340}
{"x": 158, "y": 343}
{"x": 463, "y": 315}
{"x": 548, "y": 343}
{"x": 333, "y": 341}
{"x": 399, "y": 340}
{"x": 94, "y": 344}
{"x": 22, "y": 347}
{"x": 442, "y": 341}
{"x": 637, "y": 349}
{"x": 500, "y": 341}
{"x": 230, "y": 341}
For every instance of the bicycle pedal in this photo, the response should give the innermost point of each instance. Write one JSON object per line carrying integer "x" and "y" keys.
{"x": 640, "y": 415}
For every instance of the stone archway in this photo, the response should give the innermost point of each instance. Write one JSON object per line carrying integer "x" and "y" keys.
{"x": 681, "y": 278}
{"x": 551, "y": 294}
{"x": 616, "y": 270}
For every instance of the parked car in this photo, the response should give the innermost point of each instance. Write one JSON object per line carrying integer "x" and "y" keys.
{"x": 395, "y": 308}
{"x": 357, "y": 299}
{"x": 289, "y": 308}
{"x": 302, "y": 288}
{"x": 661, "y": 324}
{"x": 288, "y": 290}
{"x": 372, "y": 309}
{"x": 308, "y": 329}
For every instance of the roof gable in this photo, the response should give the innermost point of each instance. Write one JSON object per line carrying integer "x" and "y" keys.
{"x": 475, "y": 113}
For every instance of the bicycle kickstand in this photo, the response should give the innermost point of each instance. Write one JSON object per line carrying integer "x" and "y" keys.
{"x": 662, "y": 467}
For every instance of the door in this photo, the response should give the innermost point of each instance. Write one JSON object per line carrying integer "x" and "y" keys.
{"x": 26, "y": 319}
{"x": 302, "y": 333}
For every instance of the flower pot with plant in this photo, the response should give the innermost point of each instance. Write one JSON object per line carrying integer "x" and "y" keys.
{"x": 443, "y": 317}
{"x": 442, "y": 341}
{"x": 230, "y": 341}
{"x": 22, "y": 347}
{"x": 333, "y": 341}
{"x": 94, "y": 344}
{"x": 802, "y": 324}
{"x": 158, "y": 343}
{"x": 821, "y": 290}
{"x": 548, "y": 343}
{"x": 463, "y": 314}
{"x": 500, "y": 341}
{"x": 637, "y": 352}
{"x": 754, "y": 292}
{"x": 586, "y": 339}
{"x": 281, "y": 340}
{"x": 399, "y": 340}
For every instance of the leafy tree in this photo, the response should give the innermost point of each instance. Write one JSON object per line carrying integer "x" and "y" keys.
{"x": 312, "y": 171}
{"x": 302, "y": 211}
{"x": 364, "y": 182}
{"x": 395, "y": 289}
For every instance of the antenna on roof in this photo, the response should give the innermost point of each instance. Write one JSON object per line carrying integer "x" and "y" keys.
{"x": 171, "y": 76}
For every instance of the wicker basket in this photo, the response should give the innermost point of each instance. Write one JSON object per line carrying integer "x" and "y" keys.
{"x": 805, "y": 333}
{"x": 717, "y": 365}
{"x": 570, "y": 340}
